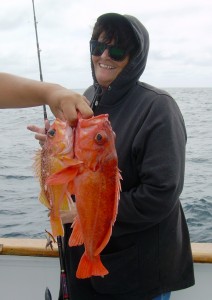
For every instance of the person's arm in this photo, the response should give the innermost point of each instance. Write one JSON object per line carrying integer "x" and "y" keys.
{"x": 159, "y": 157}
{"x": 19, "y": 92}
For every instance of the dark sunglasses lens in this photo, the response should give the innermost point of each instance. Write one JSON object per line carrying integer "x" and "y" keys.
{"x": 97, "y": 48}
{"x": 116, "y": 53}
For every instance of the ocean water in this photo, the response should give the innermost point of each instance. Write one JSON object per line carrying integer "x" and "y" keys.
{"x": 22, "y": 215}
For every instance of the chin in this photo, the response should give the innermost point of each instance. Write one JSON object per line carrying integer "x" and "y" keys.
{"x": 104, "y": 83}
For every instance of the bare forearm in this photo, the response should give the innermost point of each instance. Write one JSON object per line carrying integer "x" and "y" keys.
{"x": 16, "y": 91}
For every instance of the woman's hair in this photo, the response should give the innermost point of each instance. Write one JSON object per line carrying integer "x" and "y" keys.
{"x": 117, "y": 29}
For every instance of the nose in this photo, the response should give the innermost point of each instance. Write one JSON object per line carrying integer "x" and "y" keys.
{"x": 105, "y": 54}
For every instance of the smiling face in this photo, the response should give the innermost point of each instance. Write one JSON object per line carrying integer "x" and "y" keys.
{"x": 106, "y": 69}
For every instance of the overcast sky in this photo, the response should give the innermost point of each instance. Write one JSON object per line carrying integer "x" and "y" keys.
{"x": 180, "y": 39}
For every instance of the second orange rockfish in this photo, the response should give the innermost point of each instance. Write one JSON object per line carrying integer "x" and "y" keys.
{"x": 96, "y": 186}
{"x": 56, "y": 154}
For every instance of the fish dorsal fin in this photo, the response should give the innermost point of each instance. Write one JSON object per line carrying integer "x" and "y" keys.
{"x": 37, "y": 163}
{"x": 117, "y": 195}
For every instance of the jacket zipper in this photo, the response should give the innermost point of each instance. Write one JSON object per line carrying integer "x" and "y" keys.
{"x": 97, "y": 97}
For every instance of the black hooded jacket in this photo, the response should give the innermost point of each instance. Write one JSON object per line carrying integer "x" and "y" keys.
{"x": 149, "y": 251}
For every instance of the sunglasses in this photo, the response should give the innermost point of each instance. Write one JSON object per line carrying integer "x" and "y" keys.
{"x": 115, "y": 53}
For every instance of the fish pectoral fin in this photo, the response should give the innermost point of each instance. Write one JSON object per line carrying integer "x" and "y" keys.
{"x": 63, "y": 176}
{"x": 76, "y": 238}
{"x": 88, "y": 267}
{"x": 56, "y": 225}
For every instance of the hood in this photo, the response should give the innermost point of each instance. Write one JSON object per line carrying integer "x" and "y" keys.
{"x": 134, "y": 69}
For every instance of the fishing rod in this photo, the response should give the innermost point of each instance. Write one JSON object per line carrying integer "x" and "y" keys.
{"x": 38, "y": 52}
{"x": 63, "y": 277}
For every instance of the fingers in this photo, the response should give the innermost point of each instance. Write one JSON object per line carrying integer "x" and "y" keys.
{"x": 70, "y": 114}
{"x": 65, "y": 104}
{"x": 86, "y": 100}
{"x": 60, "y": 115}
{"x": 40, "y": 133}
{"x": 40, "y": 137}
{"x": 47, "y": 125}
{"x": 36, "y": 129}
{"x": 68, "y": 104}
{"x": 81, "y": 106}
{"x": 84, "y": 108}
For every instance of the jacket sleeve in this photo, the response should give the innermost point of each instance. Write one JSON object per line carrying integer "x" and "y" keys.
{"x": 158, "y": 153}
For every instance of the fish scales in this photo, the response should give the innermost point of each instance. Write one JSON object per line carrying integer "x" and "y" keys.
{"x": 96, "y": 185}
{"x": 56, "y": 154}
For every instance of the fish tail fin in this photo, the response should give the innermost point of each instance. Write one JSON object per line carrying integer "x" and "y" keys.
{"x": 56, "y": 225}
{"x": 88, "y": 267}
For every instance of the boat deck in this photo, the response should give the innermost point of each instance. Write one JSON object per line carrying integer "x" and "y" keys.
{"x": 27, "y": 268}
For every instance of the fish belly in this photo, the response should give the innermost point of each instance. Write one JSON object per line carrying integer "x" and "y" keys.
{"x": 97, "y": 202}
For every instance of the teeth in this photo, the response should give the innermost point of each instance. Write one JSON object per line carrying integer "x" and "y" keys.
{"x": 105, "y": 66}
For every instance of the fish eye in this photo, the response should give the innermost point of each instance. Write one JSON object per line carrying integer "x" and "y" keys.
{"x": 51, "y": 132}
{"x": 100, "y": 138}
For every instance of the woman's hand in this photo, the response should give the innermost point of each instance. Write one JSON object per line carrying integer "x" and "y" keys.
{"x": 40, "y": 133}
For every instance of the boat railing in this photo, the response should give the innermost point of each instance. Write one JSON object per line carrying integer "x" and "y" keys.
{"x": 202, "y": 252}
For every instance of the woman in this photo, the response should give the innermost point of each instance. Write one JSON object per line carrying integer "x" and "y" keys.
{"x": 149, "y": 253}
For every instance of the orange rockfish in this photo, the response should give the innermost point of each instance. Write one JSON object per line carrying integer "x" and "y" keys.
{"x": 96, "y": 184}
{"x": 56, "y": 154}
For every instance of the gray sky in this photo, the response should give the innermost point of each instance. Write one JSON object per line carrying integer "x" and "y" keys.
{"x": 180, "y": 39}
